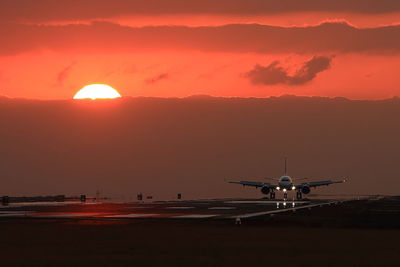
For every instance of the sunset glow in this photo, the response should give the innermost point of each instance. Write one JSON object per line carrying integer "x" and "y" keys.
{"x": 174, "y": 48}
{"x": 96, "y": 91}
{"x": 126, "y": 120}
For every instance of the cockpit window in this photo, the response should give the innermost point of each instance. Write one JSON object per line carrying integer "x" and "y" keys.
{"x": 285, "y": 179}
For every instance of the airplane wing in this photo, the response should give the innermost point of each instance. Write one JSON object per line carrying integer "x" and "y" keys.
{"x": 319, "y": 183}
{"x": 254, "y": 184}
{"x": 274, "y": 179}
{"x": 297, "y": 179}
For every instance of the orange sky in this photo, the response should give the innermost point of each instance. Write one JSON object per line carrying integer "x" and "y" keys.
{"x": 177, "y": 48}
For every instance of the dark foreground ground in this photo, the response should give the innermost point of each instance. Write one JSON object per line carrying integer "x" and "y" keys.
{"x": 361, "y": 233}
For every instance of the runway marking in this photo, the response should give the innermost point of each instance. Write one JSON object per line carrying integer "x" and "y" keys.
{"x": 196, "y": 216}
{"x": 11, "y": 212}
{"x": 15, "y": 213}
{"x": 140, "y": 207}
{"x": 179, "y": 208}
{"x": 263, "y": 202}
{"x": 67, "y": 215}
{"x": 41, "y": 204}
{"x": 222, "y": 208}
{"x": 132, "y": 215}
{"x": 255, "y": 214}
{"x": 12, "y": 215}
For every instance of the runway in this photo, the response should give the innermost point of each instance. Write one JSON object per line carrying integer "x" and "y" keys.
{"x": 225, "y": 209}
{"x": 365, "y": 230}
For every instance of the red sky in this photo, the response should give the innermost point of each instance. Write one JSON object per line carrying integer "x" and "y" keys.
{"x": 175, "y": 48}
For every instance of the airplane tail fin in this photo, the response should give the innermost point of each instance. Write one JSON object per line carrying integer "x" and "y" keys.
{"x": 285, "y": 166}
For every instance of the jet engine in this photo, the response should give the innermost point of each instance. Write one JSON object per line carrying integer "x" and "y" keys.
{"x": 265, "y": 190}
{"x": 305, "y": 190}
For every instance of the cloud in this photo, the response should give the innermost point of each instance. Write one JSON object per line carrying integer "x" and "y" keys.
{"x": 157, "y": 78}
{"x": 240, "y": 38}
{"x": 72, "y": 10}
{"x": 275, "y": 74}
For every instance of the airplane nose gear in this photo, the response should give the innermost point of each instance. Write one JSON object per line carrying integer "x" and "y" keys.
{"x": 285, "y": 195}
{"x": 299, "y": 195}
{"x": 272, "y": 195}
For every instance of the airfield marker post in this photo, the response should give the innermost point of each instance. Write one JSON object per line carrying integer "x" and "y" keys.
{"x": 5, "y": 200}
{"x": 238, "y": 221}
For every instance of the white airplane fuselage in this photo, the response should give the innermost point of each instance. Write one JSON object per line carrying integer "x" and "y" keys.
{"x": 285, "y": 183}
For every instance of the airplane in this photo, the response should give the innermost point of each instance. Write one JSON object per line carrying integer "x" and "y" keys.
{"x": 286, "y": 183}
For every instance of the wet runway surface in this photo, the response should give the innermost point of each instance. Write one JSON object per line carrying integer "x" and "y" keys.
{"x": 201, "y": 209}
{"x": 357, "y": 232}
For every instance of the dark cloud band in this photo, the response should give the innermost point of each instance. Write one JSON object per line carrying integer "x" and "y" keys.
{"x": 44, "y": 10}
{"x": 102, "y": 37}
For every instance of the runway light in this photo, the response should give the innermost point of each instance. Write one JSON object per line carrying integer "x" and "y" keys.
{"x": 278, "y": 188}
{"x": 293, "y": 187}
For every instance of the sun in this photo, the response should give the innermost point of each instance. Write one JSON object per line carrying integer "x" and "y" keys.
{"x": 95, "y": 91}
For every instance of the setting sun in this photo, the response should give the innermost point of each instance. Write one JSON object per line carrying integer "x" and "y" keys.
{"x": 95, "y": 91}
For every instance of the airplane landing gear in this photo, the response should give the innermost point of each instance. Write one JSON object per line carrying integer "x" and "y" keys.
{"x": 299, "y": 195}
{"x": 272, "y": 195}
{"x": 285, "y": 196}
